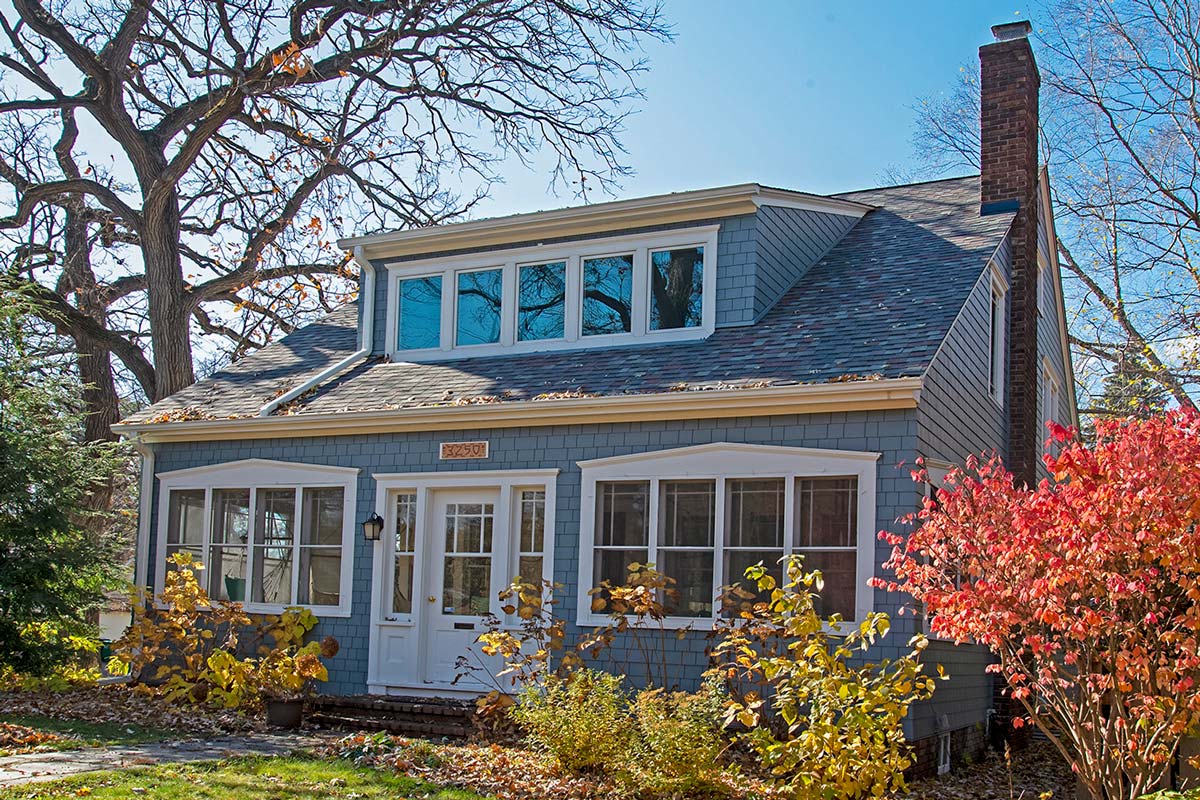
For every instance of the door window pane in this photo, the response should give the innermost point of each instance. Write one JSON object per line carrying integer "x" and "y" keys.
{"x": 607, "y": 295}
{"x": 185, "y": 523}
{"x": 676, "y": 288}
{"x": 321, "y": 547}
{"x": 420, "y": 321}
{"x": 405, "y": 553}
{"x": 541, "y": 301}
{"x": 230, "y": 536}
{"x": 467, "y": 580}
{"x": 274, "y": 542}
{"x": 478, "y": 315}
{"x": 532, "y": 536}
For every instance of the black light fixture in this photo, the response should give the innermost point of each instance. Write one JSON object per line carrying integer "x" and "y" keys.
{"x": 372, "y": 527}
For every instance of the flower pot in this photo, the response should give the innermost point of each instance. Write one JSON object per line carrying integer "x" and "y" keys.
{"x": 285, "y": 713}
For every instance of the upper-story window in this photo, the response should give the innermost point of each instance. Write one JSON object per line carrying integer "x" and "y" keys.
{"x": 997, "y": 335}
{"x": 600, "y": 292}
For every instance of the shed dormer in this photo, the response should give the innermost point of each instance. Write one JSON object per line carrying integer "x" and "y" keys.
{"x": 648, "y": 271}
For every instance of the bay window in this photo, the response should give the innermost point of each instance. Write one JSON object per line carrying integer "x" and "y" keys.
{"x": 270, "y": 536}
{"x": 703, "y": 515}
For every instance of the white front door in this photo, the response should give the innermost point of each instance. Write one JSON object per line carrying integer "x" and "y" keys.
{"x": 451, "y": 543}
{"x": 467, "y": 535}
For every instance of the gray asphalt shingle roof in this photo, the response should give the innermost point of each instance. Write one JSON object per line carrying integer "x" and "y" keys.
{"x": 877, "y": 305}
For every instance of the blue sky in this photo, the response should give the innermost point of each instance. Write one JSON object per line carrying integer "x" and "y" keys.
{"x": 794, "y": 93}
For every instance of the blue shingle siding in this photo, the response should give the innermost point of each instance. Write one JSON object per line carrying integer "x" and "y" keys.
{"x": 788, "y": 242}
{"x": 957, "y": 417}
{"x": 894, "y": 433}
{"x": 1049, "y": 338}
{"x": 379, "y": 342}
{"x": 759, "y": 257}
{"x": 957, "y": 414}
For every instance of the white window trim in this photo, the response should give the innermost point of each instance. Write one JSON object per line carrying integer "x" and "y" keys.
{"x": 1050, "y": 397}
{"x": 423, "y": 484}
{"x": 254, "y": 474}
{"x": 936, "y": 472}
{"x": 998, "y": 319}
{"x": 573, "y": 253}
{"x": 723, "y": 461}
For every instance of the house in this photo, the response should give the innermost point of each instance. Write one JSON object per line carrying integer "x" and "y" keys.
{"x": 701, "y": 380}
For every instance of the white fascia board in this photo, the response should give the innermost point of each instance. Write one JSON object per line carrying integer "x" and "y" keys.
{"x": 714, "y": 203}
{"x": 699, "y": 404}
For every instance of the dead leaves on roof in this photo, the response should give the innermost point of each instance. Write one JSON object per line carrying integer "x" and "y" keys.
{"x": 185, "y": 414}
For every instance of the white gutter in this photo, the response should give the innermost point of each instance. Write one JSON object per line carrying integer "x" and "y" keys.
{"x": 142, "y": 553}
{"x": 366, "y": 301}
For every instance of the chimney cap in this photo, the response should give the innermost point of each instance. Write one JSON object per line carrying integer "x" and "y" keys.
{"x": 1010, "y": 31}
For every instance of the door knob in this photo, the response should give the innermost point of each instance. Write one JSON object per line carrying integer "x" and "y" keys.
{"x": 431, "y": 599}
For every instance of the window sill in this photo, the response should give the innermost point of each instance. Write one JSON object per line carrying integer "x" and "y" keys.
{"x": 320, "y": 612}
{"x": 702, "y": 624}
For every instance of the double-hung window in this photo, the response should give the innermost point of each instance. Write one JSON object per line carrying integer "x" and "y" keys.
{"x": 270, "y": 534}
{"x": 703, "y": 515}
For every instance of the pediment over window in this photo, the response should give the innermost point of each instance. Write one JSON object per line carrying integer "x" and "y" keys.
{"x": 727, "y": 457}
{"x": 260, "y": 471}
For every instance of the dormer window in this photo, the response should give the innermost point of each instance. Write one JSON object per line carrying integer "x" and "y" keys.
{"x": 542, "y": 301}
{"x": 420, "y": 313}
{"x": 676, "y": 288}
{"x": 607, "y": 295}
{"x": 477, "y": 317}
{"x": 600, "y": 292}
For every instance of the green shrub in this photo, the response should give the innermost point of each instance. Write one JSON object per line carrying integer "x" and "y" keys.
{"x": 824, "y": 724}
{"x": 679, "y": 741}
{"x": 582, "y": 720}
{"x": 1190, "y": 794}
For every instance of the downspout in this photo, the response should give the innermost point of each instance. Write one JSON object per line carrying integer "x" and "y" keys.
{"x": 365, "y": 334}
{"x": 145, "y": 497}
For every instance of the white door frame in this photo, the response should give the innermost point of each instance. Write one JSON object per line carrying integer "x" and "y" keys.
{"x": 409, "y": 630}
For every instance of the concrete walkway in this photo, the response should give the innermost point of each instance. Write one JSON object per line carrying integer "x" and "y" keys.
{"x": 37, "y": 767}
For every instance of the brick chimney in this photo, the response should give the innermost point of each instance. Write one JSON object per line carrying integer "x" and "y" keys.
{"x": 1008, "y": 182}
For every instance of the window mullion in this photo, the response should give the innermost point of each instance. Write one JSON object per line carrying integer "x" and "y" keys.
{"x": 653, "y": 525}
{"x": 719, "y": 525}
{"x": 790, "y": 532}
{"x": 252, "y": 534}
{"x": 297, "y": 536}
{"x": 573, "y": 291}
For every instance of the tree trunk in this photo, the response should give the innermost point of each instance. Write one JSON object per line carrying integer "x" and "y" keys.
{"x": 169, "y": 305}
{"x": 92, "y": 358}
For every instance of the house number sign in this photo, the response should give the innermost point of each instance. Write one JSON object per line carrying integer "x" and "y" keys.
{"x": 453, "y": 451}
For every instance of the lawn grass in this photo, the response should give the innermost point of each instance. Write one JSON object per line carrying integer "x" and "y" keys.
{"x": 253, "y": 778}
{"x": 79, "y": 733}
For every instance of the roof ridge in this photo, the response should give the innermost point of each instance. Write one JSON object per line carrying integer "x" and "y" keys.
{"x": 903, "y": 185}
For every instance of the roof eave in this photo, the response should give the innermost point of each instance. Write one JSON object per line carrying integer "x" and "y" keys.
{"x": 726, "y": 201}
{"x": 892, "y": 393}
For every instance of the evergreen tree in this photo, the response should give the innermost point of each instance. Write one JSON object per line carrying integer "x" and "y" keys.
{"x": 55, "y": 563}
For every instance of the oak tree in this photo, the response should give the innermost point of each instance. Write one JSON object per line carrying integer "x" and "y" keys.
{"x": 177, "y": 168}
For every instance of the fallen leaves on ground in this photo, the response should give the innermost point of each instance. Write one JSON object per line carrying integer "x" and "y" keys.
{"x": 514, "y": 773}
{"x": 126, "y": 705}
{"x": 15, "y": 739}
{"x": 1035, "y": 770}
{"x": 506, "y": 773}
